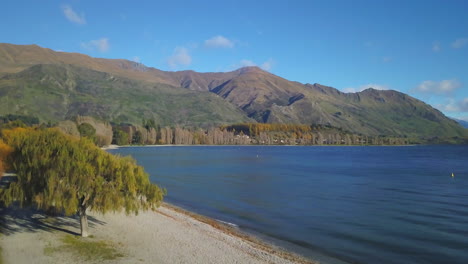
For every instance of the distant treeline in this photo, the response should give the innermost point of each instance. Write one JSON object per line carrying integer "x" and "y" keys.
{"x": 245, "y": 134}
{"x": 149, "y": 133}
{"x": 22, "y": 119}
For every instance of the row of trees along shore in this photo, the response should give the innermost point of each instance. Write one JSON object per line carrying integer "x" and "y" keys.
{"x": 149, "y": 133}
{"x": 246, "y": 134}
{"x": 68, "y": 175}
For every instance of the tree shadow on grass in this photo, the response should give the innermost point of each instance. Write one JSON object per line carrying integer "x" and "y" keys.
{"x": 21, "y": 220}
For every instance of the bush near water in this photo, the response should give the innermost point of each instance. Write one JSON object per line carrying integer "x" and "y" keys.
{"x": 70, "y": 175}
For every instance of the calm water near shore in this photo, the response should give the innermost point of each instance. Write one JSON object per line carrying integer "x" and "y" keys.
{"x": 335, "y": 204}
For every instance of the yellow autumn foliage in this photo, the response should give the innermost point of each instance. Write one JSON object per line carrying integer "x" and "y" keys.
{"x": 60, "y": 171}
{"x": 5, "y": 151}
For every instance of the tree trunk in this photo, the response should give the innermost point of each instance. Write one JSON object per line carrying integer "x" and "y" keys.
{"x": 83, "y": 221}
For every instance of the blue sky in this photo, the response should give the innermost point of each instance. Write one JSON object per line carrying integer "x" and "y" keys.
{"x": 416, "y": 47}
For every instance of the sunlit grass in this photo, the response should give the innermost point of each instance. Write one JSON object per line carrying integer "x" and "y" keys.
{"x": 85, "y": 248}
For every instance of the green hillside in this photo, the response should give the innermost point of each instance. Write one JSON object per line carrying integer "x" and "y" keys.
{"x": 57, "y": 92}
{"x": 58, "y": 85}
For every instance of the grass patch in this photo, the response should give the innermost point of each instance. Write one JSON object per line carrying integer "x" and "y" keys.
{"x": 49, "y": 250}
{"x": 86, "y": 249}
{"x": 90, "y": 250}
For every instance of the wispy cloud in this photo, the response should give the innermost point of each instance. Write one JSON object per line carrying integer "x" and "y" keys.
{"x": 219, "y": 42}
{"x": 245, "y": 63}
{"x": 450, "y": 105}
{"x": 364, "y": 87}
{"x": 435, "y": 87}
{"x": 463, "y": 104}
{"x": 136, "y": 59}
{"x": 72, "y": 16}
{"x": 460, "y": 43}
{"x": 101, "y": 45}
{"x": 267, "y": 65}
{"x": 180, "y": 57}
{"x": 436, "y": 47}
{"x": 453, "y": 106}
{"x": 387, "y": 59}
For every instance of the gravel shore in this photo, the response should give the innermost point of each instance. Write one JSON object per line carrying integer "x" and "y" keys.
{"x": 169, "y": 235}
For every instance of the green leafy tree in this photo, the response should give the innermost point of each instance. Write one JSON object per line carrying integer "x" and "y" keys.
{"x": 88, "y": 131}
{"x": 148, "y": 124}
{"x": 73, "y": 175}
{"x": 12, "y": 124}
{"x": 120, "y": 137}
{"x": 137, "y": 138}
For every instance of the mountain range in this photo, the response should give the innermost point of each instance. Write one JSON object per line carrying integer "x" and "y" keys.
{"x": 56, "y": 86}
{"x": 463, "y": 123}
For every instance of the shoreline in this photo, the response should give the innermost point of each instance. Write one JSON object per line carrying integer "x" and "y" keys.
{"x": 257, "y": 241}
{"x": 112, "y": 147}
{"x": 233, "y": 230}
{"x": 169, "y": 234}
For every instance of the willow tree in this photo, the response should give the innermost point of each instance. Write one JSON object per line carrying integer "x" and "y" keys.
{"x": 73, "y": 175}
{"x": 5, "y": 151}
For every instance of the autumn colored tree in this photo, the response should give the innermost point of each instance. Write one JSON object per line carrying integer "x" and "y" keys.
{"x": 73, "y": 175}
{"x": 5, "y": 151}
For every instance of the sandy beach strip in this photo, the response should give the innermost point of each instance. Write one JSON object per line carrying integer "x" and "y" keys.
{"x": 169, "y": 235}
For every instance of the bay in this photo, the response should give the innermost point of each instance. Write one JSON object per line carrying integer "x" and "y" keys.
{"x": 333, "y": 204}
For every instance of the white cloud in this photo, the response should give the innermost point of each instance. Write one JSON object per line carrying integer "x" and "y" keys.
{"x": 375, "y": 86}
{"x": 387, "y": 59}
{"x": 459, "y": 43}
{"x": 442, "y": 87}
{"x": 267, "y": 65}
{"x": 72, "y": 16}
{"x": 436, "y": 47}
{"x": 448, "y": 106}
{"x": 219, "y": 42}
{"x": 453, "y": 106}
{"x": 246, "y": 63}
{"x": 463, "y": 104}
{"x": 101, "y": 45}
{"x": 364, "y": 87}
{"x": 181, "y": 56}
{"x": 349, "y": 90}
{"x": 136, "y": 59}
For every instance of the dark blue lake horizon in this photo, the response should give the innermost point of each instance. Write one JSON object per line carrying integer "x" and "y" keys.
{"x": 334, "y": 204}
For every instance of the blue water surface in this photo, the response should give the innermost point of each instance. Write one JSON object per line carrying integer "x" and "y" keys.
{"x": 334, "y": 204}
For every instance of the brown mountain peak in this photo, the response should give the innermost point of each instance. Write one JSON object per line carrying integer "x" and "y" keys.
{"x": 260, "y": 94}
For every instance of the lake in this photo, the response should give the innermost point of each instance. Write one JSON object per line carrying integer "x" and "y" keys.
{"x": 333, "y": 204}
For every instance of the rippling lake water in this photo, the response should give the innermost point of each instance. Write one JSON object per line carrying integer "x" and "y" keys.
{"x": 334, "y": 204}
